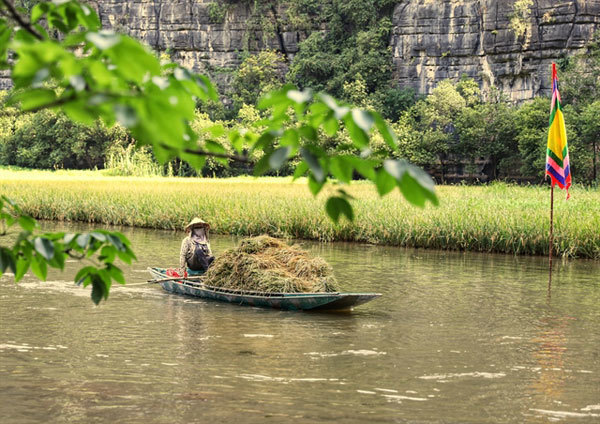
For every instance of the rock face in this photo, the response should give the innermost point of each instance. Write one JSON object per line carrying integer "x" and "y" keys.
{"x": 185, "y": 30}
{"x": 434, "y": 40}
{"x": 431, "y": 39}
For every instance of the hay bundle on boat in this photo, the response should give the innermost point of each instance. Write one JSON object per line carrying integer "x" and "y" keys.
{"x": 267, "y": 264}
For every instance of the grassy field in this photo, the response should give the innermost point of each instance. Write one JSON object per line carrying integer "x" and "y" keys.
{"x": 495, "y": 218}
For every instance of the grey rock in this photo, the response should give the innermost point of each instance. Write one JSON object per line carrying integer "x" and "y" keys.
{"x": 431, "y": 39}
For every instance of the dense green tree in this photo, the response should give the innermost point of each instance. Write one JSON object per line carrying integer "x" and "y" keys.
{"x": 355, "y": 43}
{"x": 532, "y": 132}
{"x": 580, "y": 76}
{"x": 50, "y": 141}
{"x": 487, "y": 131}
{"x": 257, "y": 75}
{"x": 589, "y": 132}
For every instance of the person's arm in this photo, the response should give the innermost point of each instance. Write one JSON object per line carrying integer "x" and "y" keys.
{"x": 183, "y": 254}
{"x": 209, "y": 249}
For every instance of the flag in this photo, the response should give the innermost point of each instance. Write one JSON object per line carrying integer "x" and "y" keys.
{"x": 557, "y": 158}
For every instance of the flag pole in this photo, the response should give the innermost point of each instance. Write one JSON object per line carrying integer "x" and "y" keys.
{"x": 551, "y": 233}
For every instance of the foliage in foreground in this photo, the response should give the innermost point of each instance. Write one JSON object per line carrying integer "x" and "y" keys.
{"x": 37, "y": 252}
{"x": 494, "y": 218}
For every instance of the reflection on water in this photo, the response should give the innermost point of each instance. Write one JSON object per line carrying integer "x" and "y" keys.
{"x": 456, "y": 338}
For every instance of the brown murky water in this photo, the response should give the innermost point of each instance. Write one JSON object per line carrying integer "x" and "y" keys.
{"x": 456, "y": 337}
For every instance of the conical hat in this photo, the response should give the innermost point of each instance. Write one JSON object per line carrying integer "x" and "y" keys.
{"x": 196, "y": 222}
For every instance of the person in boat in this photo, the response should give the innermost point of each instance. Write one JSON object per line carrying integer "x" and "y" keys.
{"x": 196, "y": 256}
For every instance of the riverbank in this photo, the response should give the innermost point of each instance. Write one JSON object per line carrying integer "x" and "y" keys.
{"x": 495, "y": 218}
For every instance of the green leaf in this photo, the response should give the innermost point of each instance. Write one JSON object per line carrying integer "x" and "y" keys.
{"x": 132, "y": 60}
{"x": 341, "y": 168}
{"x": 68, "y": 238}
{"x": 98, "y": 236}
{"x": 331, "y": 126}
{"x": 339, "y": 111}
{"x": 22, "y": 267}
{"x": 79, "y": 111}
{"x": 262, "y": 165}
{"x": 290, "y": 138}
{"x": 27, "y": 223}
{"x": 116, "y": 274}
{"x": 309, "y": 133}
{"x": 365, "y": 167}
{"x": 108, "y": 254}
{"x": 300, "y": 170}
{"x": 39, "y": 10}
{"x": 103, "y": 40}
{"x": 207, "y": 87}
{"x": 116, "y": 242}
{"x": 264, "y": 141}
{"x": 58, "y": 261}
{"x": 314, "y": 186}
{"x": 357, "y": 135}
{"x": 44, "y": 247}
{"x": 384, "y": 182}
{"x": 126, "y": 256}
{"x": 88, "y": 18}
{"x": 418, "y": 187}
{"x": 313, "y": 164}
{"x": 83, "y": 240}
{"x": 396, "y": 168}
{"x": 363, "y": 119}
{"x": 277, "y": 98}
{"x": 196, "y": 161}
{"x": 7, "y": 261}
{"x": 300, "y": 96}
{"x": 279, "y": 156}
{"x": 126, "y": 115}
{"x": 214, "y": 147}
{"x": 414, "y": 183}
{"x": 39, "y": 267}
{"x": 83, "y": 273}
{"x": 98, "y": 289}
{"x": 338, "y": 205}
{"x": 388, "y": 134}
{"x": 35, "y": 98}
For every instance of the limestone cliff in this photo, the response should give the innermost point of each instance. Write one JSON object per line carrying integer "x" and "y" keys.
{"x": 434, "y": 40}
{"x": 431, "y": 39}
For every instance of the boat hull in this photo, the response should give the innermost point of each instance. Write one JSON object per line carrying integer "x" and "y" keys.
{"x": 284, "y": 301}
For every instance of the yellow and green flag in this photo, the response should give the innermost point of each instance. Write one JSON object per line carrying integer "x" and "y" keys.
{"x": 557, "y": 159}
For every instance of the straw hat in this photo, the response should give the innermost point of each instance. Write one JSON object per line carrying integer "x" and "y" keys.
{"x": 196, "y": 222}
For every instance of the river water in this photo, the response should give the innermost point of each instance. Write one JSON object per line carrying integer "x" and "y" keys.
{"x": 456, "y": 337}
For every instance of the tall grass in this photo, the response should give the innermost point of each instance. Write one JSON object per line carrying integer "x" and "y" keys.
{"x": 129, "y": 161}
{"x": 494, "y": 218}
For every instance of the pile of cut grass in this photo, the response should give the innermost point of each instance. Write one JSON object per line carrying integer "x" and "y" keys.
{"x": 269, "y": 265}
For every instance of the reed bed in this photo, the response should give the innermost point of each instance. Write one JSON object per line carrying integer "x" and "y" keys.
{"x": 494, "y": 218}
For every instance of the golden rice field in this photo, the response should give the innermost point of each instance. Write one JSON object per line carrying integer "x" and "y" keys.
{"x": 495, "y": 218}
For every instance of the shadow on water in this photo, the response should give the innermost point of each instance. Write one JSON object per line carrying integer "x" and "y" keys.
{"x": 456, "y": 337}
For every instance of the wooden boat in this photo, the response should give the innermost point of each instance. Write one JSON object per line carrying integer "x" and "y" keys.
{"x": 285, "y": 301}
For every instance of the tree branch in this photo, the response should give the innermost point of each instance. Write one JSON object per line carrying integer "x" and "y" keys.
{"x": 200, "y": 152}
{"x": 25, "y": 25}
{"x": 236, "y": 158}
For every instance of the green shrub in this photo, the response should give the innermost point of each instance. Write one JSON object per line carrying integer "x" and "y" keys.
{"x": 47, "y": 140}
{"x": 216, "y": 12}
{"x": 256, "y": 75}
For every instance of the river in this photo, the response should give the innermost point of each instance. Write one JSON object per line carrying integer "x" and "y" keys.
{"x": 456, "y": 337}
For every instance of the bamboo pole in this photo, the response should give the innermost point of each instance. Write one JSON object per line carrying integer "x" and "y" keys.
{"x": 551, "y": 235}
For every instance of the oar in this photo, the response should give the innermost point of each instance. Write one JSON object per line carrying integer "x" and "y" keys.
{"x": 177, "y": 279}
